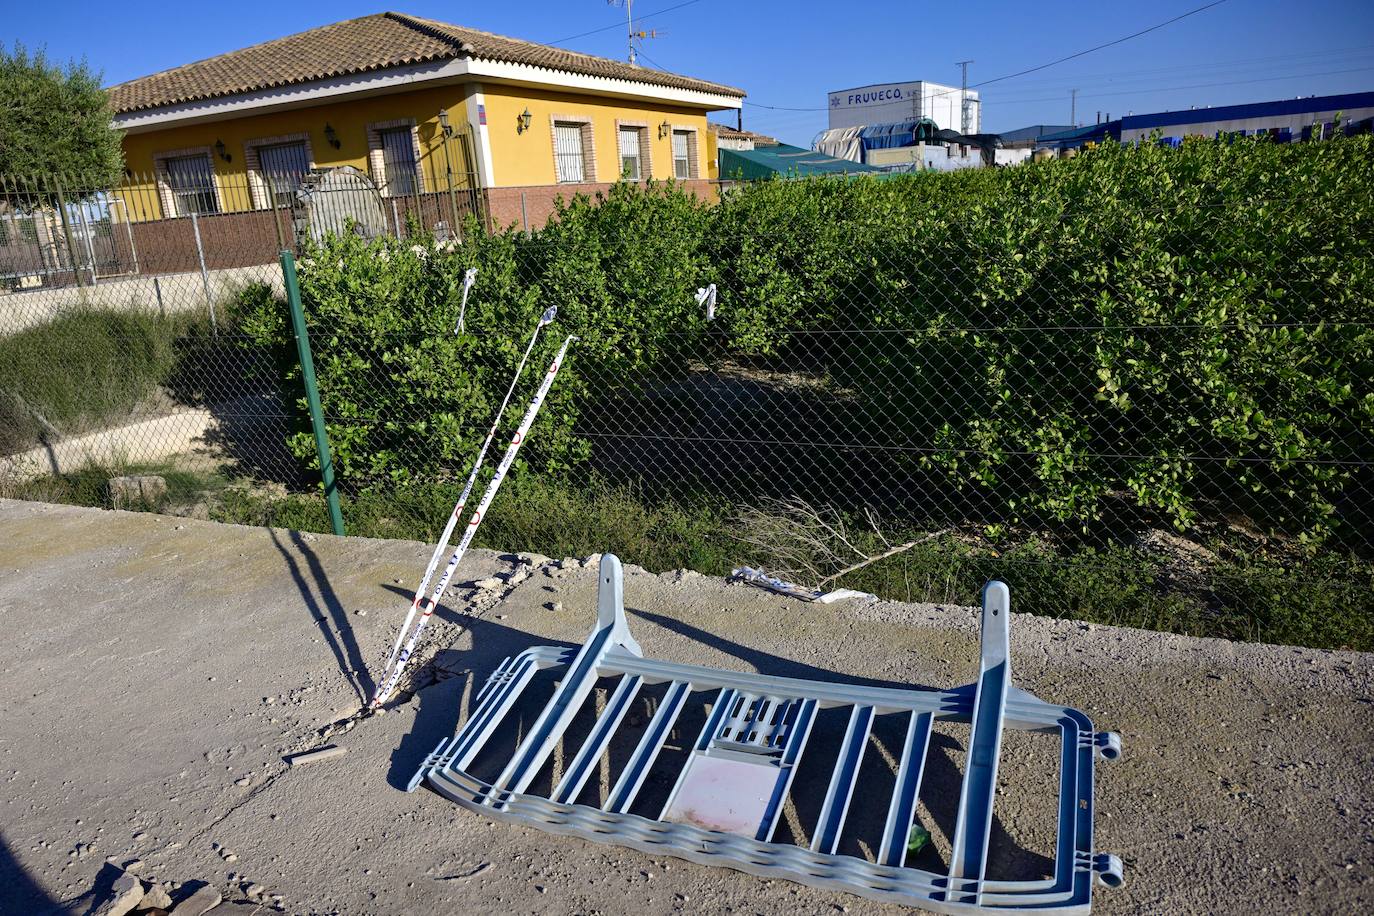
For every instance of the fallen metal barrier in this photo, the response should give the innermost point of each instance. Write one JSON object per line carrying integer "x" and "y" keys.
{"x": 729, "y": 796}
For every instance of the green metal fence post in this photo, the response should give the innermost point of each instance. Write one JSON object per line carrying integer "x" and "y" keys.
{"x": 312, "y": 391}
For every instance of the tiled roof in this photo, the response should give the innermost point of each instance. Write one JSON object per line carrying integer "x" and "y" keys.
{"x": 363, "y": 45}
{"x": 726, "y": 132}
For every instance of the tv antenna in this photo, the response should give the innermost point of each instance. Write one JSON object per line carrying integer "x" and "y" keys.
{"x": 630, "y": 32}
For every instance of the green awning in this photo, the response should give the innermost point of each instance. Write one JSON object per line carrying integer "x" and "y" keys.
{"x": 785, "y": 161}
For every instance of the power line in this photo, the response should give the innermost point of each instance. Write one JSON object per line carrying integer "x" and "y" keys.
{"x": 1108, "y": 44}
{"x": 656, "y": 65}
{"x": 998, "y": 79}
{"x": 1241, "y": 63}
{"x": 620, "y": 25}
{"x": 1263, "y": 79}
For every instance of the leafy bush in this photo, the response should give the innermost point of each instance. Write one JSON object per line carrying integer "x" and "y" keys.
{"x": 407, "y": 399}
{"x": 403, "y": 394}
{"x": 622, "y": 270}
{"x": 1103, "y": 330}
{"x": 1139, "y": 333}
{"x": 84, "y": 370}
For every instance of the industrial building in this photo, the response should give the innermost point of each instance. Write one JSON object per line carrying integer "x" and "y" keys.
{"x": 898, "y": 127}
{"x": 949, "y": 107}
{"x": 1282, "y": 120}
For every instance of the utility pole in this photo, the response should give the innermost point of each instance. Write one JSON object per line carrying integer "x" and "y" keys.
{"x": 963, "y": 95}
{"x": 1073, "y": 107}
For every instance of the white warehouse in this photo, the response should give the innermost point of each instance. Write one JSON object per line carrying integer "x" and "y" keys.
{"x": 883, "y": 103}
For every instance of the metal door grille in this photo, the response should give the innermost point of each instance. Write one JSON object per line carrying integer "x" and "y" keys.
{"x": 728, "y": 797}
{"x": 398, "y": 160}
{"x": 285, "y": 164}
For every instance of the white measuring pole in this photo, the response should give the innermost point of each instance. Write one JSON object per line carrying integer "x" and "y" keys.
{"x": 439, "y": 548}
{"x": 384, "y": 689}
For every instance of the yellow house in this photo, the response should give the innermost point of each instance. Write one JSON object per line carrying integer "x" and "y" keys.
{"x": 426, "y": 109}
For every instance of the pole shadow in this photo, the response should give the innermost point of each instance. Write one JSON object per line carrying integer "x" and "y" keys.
{"x": 326, "y": 609}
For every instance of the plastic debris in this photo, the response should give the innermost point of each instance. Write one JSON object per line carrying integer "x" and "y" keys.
{"x": 730, "y": 789}
{"x": 756, "y": 577}
{"x": 706, "y": 295}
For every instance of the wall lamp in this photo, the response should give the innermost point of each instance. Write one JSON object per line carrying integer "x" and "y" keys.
{"x": 443, "y": 122}
{"x": 332, "y": 135}
{"x": 221, "y": 152}
{"x": 664, "y": 130}
{"x": 522, "y": 121}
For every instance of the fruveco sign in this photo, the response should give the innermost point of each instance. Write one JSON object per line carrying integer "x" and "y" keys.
{"x": 868, "y": 96}
{"x": 873, "y": 104}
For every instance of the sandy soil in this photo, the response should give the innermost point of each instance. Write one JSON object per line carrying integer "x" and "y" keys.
{"x": 155, "y": 670}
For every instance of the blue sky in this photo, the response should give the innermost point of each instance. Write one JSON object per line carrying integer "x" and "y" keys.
{"x": 789, "y": 54}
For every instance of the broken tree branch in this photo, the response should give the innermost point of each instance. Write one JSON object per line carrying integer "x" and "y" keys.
{"x": 882, "y": 556}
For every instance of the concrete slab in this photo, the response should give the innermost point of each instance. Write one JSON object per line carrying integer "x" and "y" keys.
{"x": 155, "y": 671}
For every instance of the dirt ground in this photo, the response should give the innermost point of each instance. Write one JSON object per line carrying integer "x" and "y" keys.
{"x": 155, "y": 670}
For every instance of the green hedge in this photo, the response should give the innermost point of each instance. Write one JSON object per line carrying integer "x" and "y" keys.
{"x": 84, "y": 370}
{"x": 1067, "y": 336}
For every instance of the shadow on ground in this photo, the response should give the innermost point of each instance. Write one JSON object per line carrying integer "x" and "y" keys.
{"x": 325, "y": 608}
{"x": 18, "y": 892}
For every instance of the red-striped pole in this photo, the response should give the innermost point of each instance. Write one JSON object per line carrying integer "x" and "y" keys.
{"x": 385, "y": 688}
{"x": 439, "y": 548}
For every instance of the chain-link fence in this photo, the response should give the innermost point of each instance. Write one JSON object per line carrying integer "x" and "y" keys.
{"x": 1152, "y": 412}
{"x": 117, "y": 318}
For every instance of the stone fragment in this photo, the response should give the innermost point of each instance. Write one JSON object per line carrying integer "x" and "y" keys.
{"x": 255, "y": 890}
{"x": 127, "y": 893}
{"x": 487, "y": 584}
{"x": 324, "y": 753}
{"x": 201, "y": 902}
{"x": 156, "y": 897}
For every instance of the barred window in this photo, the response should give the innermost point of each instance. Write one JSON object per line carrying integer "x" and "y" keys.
{"x": 682, "y": 160}
{"x": 629, "y": 153}
{"x": 285, "y": 164}
{"x": 192, "y": 180}
{"x": 567, "y": 140}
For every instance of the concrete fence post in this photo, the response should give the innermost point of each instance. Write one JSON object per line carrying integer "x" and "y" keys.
{"x": 204, "y": 274}
{"x": 90, "y": 241}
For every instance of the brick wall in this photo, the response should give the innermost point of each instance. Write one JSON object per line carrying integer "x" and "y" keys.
{"x": 250, "y": 238}
{"x": 504, "y": 204}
